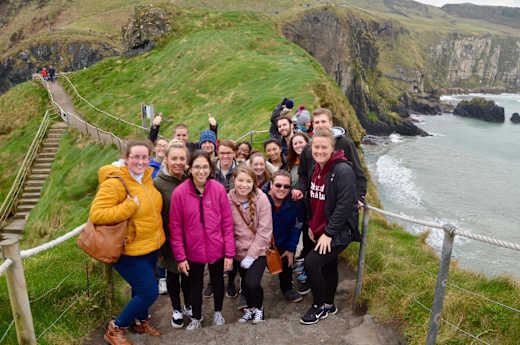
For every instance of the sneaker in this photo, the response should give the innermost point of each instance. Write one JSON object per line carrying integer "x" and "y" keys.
{"x": 163, "y": 289}
{"x": 314, "y": 315}
{"x": 258, "y": 316}
{"x": 145, "y": 327}
{"x": 292, "y": 296}
{"x": 194, "y": 324}
{"x": 186, "y": 310}
{"x": 331, "y": 309}
{"x": 218, "y": 319}
{"x": 242, "y": 302}
{"x": 231, "y": 290}
{"x": 304, "y": 288}
{"x": 177, "y": 319}
{"x": 302, "y": 277}
{"x": 248, "y": 315}
{"x": 115, "y": 335}
{"x": 209, "y": 291}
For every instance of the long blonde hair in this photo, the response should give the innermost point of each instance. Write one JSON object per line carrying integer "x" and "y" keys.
{"x": 252, "y": 194}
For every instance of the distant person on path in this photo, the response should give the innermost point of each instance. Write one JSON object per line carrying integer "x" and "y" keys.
{"x": 45, "y": 74}
{"x": 285, "y": 104}
{"x": 285, "y": 128}
{"x": 287, "y": 224}
{"x": 253, "y": 230}
{"x": 145, "y": 232}
{"x": 52, "y": 73}
{"x": 332, "y": 222}
{"x": 181, "y": 132}
{"x": 201, "y": 230}
{"x": 170, "y": 176}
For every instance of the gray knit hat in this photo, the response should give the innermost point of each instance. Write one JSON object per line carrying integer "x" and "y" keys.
{"x": 301, "y": 117}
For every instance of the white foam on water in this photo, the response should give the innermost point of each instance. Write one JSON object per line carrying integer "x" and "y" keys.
{"x": 395, "y": 138}
{"x": 399, "y": 181}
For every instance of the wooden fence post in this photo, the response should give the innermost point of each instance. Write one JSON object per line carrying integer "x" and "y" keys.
{"x": 18, "y": 295}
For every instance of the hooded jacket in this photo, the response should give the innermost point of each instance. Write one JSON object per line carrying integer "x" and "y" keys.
{"x": 247, "y": 243}
{"x": 201, "y": 227}
{"x": 111, "y": 205}
{"x": 307, "y": 163}
{"x": 156, "y": 166}
{"x": 341, "y": 213}
{"x": 287, "y": 223}
{"x": 165, "y": 184}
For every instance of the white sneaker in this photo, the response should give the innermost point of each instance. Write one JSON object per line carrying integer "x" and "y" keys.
{"x": 187, "y": 311}
{"x": 163, "y": 289}
{"x": 194, "y": 324}
{"x": 248, "y": 315}
{"x": 177, "y": 319}
{"x": 258, "y": 316}
{"x": 218, "y": 319}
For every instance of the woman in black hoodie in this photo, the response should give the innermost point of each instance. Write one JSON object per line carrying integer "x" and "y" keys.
{"x": 332, "y": 222}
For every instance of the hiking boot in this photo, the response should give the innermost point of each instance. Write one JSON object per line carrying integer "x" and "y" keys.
{"x": 292, "y": 296}
{"x": 146, "y": 327}
{"x": 231, "y": 290}
{"x": 177, "y": 319}
{"x": 209, "y": 291}
{"x": 163, "y": 289}
{"x": 331, "y": 309}
{"x": 242, "y": 302}
{"x": 115, "y": 336}
{"x": 258, "y": 316}
{"x": 194, "y": 324}
{"x": 304, "y": 288}
{"x": 248, "y": 315}
{"x": 314, "y": 315}
{"x": 218, "y": 319}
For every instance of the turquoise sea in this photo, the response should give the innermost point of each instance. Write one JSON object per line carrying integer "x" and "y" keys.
{"x": 467, "y": 173}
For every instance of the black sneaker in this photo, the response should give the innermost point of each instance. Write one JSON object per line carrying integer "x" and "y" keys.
{"x": 292, "y": 296}
{"x": 177, "y": 319}
{"x": 314, "y": 315}
{"x": 331, "y": 309}
{"x": 304, "y": 288}
{"x": 231, "y": 290}
{"x": 242, "y": 302}
{"x": 209, "y": 291}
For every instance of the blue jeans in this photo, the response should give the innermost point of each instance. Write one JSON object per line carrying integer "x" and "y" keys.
{"x": 139, "y": 272}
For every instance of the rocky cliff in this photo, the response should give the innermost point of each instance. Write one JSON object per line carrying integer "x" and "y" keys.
{"x": 345, "y": 45}
{"x": 509, "y": 16}
{"x": 65, "y": 55}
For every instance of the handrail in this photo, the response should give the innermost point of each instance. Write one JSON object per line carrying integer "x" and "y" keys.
{"x": 10, "y": 200}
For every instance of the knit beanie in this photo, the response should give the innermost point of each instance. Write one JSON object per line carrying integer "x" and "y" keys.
{"x": 301, "y": 117}
{"x": 289, "y": 103}
{"x": 208, "y": 135}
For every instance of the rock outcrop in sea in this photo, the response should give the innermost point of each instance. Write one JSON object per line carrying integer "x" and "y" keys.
{"x": 515, "y": 118}
{"x": 479, "y": 108}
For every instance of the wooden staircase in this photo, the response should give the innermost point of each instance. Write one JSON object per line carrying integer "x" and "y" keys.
{"x": 40, "y": 170}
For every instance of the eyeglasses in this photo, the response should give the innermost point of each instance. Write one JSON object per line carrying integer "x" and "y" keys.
{"x": 285, "y": 186}
{"x": 200, "y": 167}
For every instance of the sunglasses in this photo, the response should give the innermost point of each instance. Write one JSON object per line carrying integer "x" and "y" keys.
{"x": 285, "y": 186}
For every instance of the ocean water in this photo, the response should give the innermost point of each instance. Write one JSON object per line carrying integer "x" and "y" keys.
{"x": 467, "y": 174}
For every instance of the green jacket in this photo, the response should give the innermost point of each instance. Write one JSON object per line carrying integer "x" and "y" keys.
{"x": 165, "y": 184}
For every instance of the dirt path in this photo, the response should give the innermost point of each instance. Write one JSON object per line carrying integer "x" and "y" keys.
{"x": 281, "y": 324}
{"x": 61, "y": 97}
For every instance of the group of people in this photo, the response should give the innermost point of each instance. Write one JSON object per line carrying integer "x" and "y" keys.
{"x": 223, "y": 205}
{"x": 49, "y": 74}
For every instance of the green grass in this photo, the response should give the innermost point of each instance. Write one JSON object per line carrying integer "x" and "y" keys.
{"x": 394, "y": 255}
{"x": 22, "y": 109}
{"x": 65, "y": 202}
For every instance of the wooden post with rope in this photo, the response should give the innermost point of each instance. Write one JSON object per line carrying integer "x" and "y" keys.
{"x": 18, "y": 294}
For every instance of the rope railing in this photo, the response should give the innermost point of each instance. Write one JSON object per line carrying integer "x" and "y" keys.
{"x": 5, "y": 265}
{"x": 36, "y": 250}
{"x": 9, "y": 204}
{"x": 250, "y": 134}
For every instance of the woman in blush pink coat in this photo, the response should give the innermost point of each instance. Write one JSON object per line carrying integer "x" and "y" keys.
{"x": 201, "y": 232}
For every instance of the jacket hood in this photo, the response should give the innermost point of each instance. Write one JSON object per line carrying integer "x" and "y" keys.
{"x": 154, "y": 164}
{"x": 116, "y": 169}
{"x": 337, "y": 156}
{"x": 338, "y": 131}
{"x": 165, "y": 176}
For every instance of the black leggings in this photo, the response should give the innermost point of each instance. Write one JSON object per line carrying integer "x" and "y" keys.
{"x": 322, "y": 274}
{"x": 308, "y": 245}
{"x": 251, "y": 283}
{"x": 175, "y": 282}
{"x": 196, "y": 276}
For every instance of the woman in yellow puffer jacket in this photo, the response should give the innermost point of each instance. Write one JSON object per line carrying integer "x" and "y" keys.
{"x": 145, "y": 234}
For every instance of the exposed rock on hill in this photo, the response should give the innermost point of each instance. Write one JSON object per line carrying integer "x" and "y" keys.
{"x": 515, "y": 118}
{"x": 502, "y": 15}
{"x": 65, "y": 56}
{"x": 148, "y": 25}
{"x": 345, "y": 45}
{"x": 479, "y": 108}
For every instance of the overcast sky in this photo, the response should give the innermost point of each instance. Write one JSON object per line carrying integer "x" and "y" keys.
{"x": 511, "y": 3}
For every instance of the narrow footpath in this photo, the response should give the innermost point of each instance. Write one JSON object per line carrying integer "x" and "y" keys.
{"x": 281, "y": 324}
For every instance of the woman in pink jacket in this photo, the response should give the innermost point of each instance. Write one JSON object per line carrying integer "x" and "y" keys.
{"x": 201, "y": 232}
{"x": 253, "y": 223}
